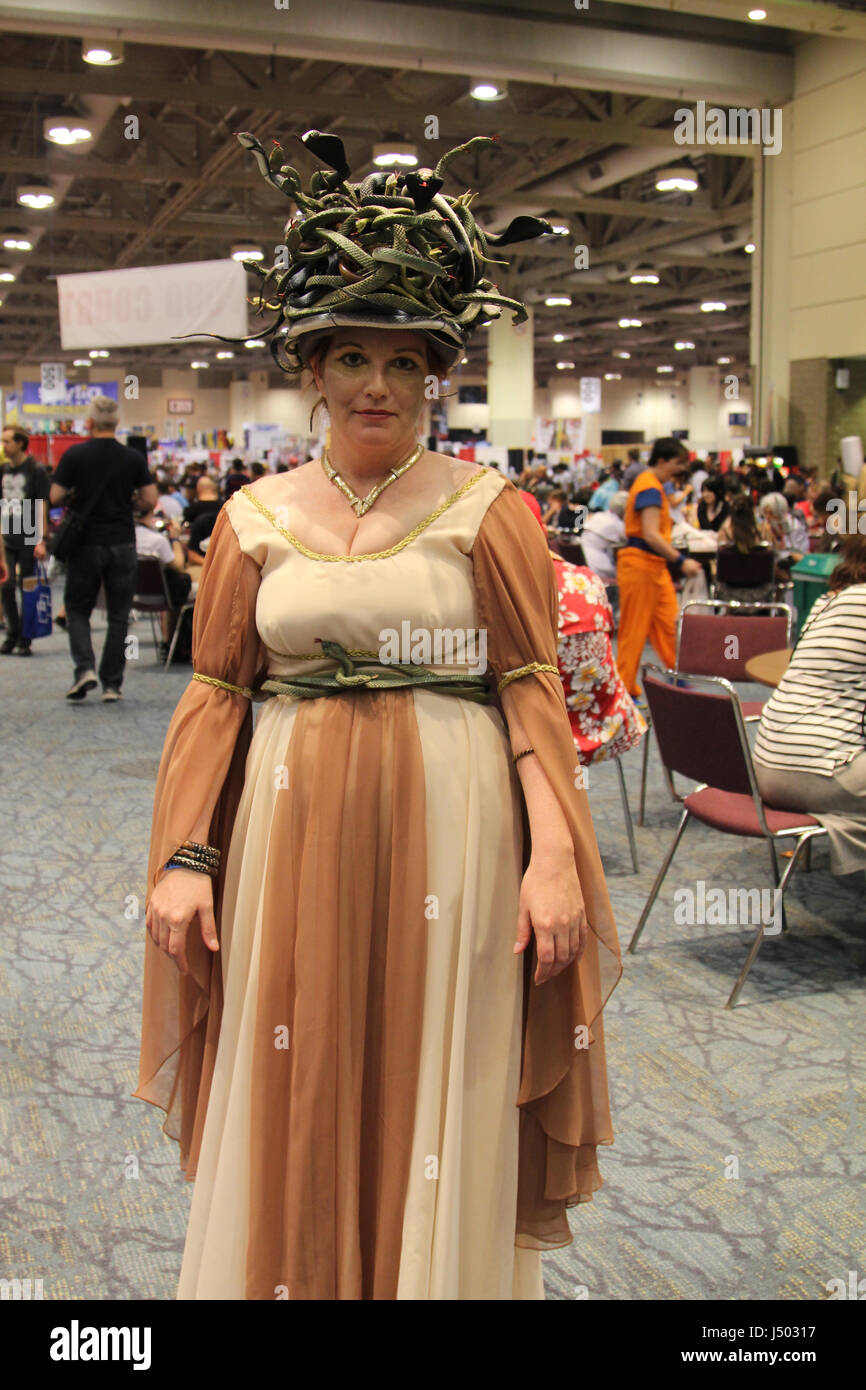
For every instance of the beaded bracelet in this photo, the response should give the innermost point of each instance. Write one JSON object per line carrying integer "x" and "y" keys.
{"x": 178, "y": 861}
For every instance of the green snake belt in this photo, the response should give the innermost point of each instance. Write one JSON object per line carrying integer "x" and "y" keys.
{"x": 382, "y": 676}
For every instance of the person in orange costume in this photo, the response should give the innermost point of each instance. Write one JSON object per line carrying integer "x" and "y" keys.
{"x": 648, "y": 602}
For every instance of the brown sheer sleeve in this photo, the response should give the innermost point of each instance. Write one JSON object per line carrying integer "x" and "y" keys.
{"x": 201, "y": 774}
{"x": 564, "y": 1110}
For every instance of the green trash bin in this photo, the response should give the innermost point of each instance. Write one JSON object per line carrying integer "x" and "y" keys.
{"x": 811, "y": 578}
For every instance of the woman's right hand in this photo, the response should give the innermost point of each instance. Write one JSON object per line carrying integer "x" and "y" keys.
{"x": 180, "y": 896}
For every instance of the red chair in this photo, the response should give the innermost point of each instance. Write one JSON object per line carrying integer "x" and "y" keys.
{"x": 720, "y": 642}
{"x": 702, "y": 735}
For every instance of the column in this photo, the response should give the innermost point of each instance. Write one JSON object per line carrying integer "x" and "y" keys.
{"x": 511, "y": 383}
{"x": 703, "y": 402}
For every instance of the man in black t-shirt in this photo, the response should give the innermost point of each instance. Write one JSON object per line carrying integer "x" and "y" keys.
{"x": 107, "y": 553}
{"x": 24, "y": 519}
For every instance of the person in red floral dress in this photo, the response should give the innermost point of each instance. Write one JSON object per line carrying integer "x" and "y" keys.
{"x": 605, "y": 721}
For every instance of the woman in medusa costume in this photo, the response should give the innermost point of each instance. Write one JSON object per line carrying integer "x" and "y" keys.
{"x": 379, "y": 939}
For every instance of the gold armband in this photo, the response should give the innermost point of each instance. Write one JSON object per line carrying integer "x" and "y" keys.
{"x": 224, "y": 685}
{"x": 524, "y": 671}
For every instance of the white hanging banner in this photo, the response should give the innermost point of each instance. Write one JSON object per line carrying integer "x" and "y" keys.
{"x": 52, "y": 390}
{"x": 152, "y": 304}
{"x": 590, "y": 394}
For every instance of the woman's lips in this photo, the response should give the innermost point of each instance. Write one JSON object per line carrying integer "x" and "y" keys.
{"x": 376, "y": 414}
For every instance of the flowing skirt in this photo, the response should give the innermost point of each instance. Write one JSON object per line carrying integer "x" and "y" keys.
{"x": 361, "y": 1138}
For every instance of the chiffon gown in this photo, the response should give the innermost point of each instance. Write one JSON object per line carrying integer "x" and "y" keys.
{"x": 374, "y": 1098}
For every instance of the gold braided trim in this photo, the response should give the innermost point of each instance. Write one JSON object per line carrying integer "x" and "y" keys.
{"x": 524, "y": 671}
{"x": 224, "y": 685}
{"x": 320, "y": 656}
{"x": 378, "y": 554}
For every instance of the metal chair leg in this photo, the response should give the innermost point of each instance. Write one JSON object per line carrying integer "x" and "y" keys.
{"x": 781, "y": 885}
{"x": 658, "y": 883}
{"x": 643, "y": 774}
{"x": 628, "y": 820}
{"x": 775, "y": 863}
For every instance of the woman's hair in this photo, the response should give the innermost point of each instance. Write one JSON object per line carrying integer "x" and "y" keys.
{"x": 776, "y": 503}
{"x": 744, "y": 528}
{"x": 714, "y": 485}
{"x": 852, "y": 569}
{"x": 436, "y": 363}
{"x": 618, "y": 503}
{"x": 732, "y": 484}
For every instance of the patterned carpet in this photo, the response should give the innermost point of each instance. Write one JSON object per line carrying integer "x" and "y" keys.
{"x": 738, "y": 1167}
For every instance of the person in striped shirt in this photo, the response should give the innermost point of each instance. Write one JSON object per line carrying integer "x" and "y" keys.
{"x": 810, "y": 750}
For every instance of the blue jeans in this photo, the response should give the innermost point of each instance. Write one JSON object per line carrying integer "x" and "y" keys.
{"x": 116, "y": 568}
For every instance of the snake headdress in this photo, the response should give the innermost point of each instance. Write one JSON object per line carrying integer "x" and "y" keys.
{"x": 392, "y": 251}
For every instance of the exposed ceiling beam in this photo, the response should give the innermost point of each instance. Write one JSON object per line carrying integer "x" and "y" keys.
{"x": 284, "y": 99}
{"x": 518, "y": 45}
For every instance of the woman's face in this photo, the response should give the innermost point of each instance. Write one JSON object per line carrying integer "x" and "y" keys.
{"x": 373, "y": 381}
{"x": 708, "y": 497}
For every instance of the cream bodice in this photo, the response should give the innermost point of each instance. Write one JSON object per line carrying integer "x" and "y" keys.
{"x": 424, "y": 581}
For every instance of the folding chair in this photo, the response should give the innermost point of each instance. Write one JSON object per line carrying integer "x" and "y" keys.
{"x": 753, "y": 570}
{"x": 719, "y": 643}
{"x": 702, "y": 735}
{"x": 152, "y": 597}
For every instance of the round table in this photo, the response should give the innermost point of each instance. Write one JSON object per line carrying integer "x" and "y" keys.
{"x": 769, "y": 667}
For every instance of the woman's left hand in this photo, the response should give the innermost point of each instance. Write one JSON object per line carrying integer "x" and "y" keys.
{"x": 551, "y": 905}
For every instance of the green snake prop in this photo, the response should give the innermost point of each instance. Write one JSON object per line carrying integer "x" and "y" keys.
{"x": 392, "y": 247}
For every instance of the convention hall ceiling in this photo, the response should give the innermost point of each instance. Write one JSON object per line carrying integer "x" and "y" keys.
{"x": 585, "y": 156}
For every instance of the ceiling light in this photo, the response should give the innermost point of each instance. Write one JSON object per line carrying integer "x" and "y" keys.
{"x": 624, "y": 355}
{"x": 558, "y": 300}
{"x": 560, "y": 229}
{"x": 7, "y": 276}
{"x": 631, "y": 323}
{"x": 713, "y": 306}
{"x": 35, "y": 195}
{"x": 559, "y": 337}
{"x": 463, "y": 361}
{"x": 395, "y": 152}
{"x": 224, "y": 356}
{"x": 255, "y": 343}
{"x": 199, "y": 366}
{"x": 61, "y": 130}
{"x": 105, "y": 53}
{"x": 644, "y": 277}
{"x": 664, "y": 369}
{"x": 757, "y": 15}
{"x": 16, "y": 243}
{"x": 724, "y": 361}
{"x": 750, "y": 248}
{"x": 98, "y": 352}
{"x": 613, "y": 376}
{"x": 247, "y": 251}
{"x": 81, "y": 362}
{"x": 678, "y": 179}
{"x": 486, "y": 89}
{"x": 564, "y": 366}
{"x": 683, "y": 346}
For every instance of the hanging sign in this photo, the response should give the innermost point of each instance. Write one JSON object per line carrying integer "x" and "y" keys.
{"x": 152, "y": 304}
{"x": 53, "y": 388}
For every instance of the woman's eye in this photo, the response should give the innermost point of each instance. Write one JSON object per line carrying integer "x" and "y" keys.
{"x": 351, "y": 359}
{"x": 406, "y": 363}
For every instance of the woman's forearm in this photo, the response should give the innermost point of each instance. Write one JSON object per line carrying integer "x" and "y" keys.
{"x": 551, "y": 837}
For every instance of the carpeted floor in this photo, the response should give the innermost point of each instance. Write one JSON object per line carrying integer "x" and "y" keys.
{"x": 739, "y": 1163}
